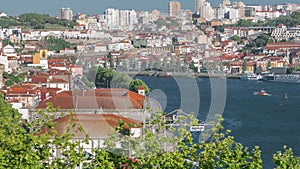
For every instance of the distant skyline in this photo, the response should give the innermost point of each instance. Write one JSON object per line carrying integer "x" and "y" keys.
{"x": 51, "y": 7}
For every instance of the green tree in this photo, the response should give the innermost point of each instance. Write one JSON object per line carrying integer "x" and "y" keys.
{"x": 25, "y": 145}
{"x": 235, "y": 38}
{"x": 286, "y": 159}
{"x": 104, "y": 77}
{"x": 118, "y": 61}
{"x": 107, "y": 78}
{"x": 5, "y": 75}
{"x": 131, "y": 63}
{"x": 228, "y": 65}
{"x": 244, "y": 66}
{"x": 137, "y": 83}
{"x": 157, "y": 64}
{"x": 143, "y": 65}
{"x": 269, "y": 65}
{"x": 165, "y": 63}
{"x": 7, "y": 22}
{"x": 244, "y": 23}
{"x": 12, "y": 78}
{"x": 150, "y": 64}
{"x": 7, "y": 42}
{"x": 57, "y": 44}
{"x": 38, "y": 21}
{"x": 178, "y": 65}
{"x": 150, "y": 151}
{"x": 31, "y": 145}
{"x": 192, "y": 67}
{"x": 120, "y": 80}
{"x": 110, "y": 60}
{"x": 258, "y": 69}
{"x": 9, "y": 82}
{"x": 172, "y": 64}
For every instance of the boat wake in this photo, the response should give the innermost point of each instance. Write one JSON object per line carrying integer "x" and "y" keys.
{"x": 262, "y": 93}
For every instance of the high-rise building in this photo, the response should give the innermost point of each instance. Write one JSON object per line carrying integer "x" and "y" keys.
{"x": 174, "y": 8}
{"x": 66, "y": 13}
{"x": 128, "y": 17}
{"x": 116, "y": 17}
{"x": 204, "y": 9}
{"x": 241, "y": 7}
{"x": 225, "y": 3}
{"x": 112, "y": 17}
{"x": 198, "y": 5}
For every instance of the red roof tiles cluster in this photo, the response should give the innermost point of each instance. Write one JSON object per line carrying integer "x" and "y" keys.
{"x": 94, "y": 125}
{"x": 95, "y": 99}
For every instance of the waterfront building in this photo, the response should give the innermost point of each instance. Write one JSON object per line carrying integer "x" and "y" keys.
{"x": 174, "y": 8}
{"x": 66, "y": 14}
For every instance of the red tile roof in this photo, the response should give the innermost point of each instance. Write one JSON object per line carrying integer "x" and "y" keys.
{"x": 39, "y": 79}
{"x": 93, "y": 125}
{"x": 55, "y": 80}
{"x": 95, "y": 99}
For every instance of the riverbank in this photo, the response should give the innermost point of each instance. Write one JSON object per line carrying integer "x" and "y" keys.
{"x": 185, "y": 75}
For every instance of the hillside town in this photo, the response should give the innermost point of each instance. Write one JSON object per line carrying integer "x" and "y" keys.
{"x": 42, "y": 63}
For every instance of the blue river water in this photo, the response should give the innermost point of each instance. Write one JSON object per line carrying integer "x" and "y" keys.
{"x": 269, "y": 122}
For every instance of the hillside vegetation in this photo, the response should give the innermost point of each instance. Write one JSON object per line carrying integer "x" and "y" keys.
{"x": 35, "y": 21}
{"x": 291, "y": 21}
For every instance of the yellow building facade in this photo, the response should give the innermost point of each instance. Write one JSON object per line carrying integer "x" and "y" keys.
{"x": 42, "y": 54}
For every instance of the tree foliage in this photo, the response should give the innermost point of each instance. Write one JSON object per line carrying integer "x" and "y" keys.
{"x": 25, "y": 145}
{"x": 286, "y": 159}
{"x": 107, "y": 78}
{"x": 12, "y": 78}
{"x": 150, "y": 151}
{"x": 255, "y": 46}
{"x": 136, "y": 84}
{"x": 7, "y": 22}
{"x": 291, "y": 21}
{"x": 57, "y": 44}
{"x": 31, "y": 145}
{"x": 104, "y": 77}
{"x": 37, "y": 21}
{"x": 244, "y": 66}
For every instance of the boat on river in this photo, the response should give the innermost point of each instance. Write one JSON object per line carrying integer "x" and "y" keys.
{"x": 289, "y": 78}
{"x": 251, "y": 77}
{"x": 262, "y": 93}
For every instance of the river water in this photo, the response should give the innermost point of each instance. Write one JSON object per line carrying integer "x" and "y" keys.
{"x": 267, "y": 121}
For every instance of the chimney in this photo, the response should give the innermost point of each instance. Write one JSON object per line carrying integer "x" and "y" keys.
{"x": 142, "y": 90}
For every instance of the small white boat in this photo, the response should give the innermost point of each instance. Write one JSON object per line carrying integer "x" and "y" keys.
{"x": 251, "y": 77}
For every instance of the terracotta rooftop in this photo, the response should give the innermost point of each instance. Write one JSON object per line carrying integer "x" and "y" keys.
{"x": 39, "y": 79}
{"x": 93, "y": 125}
{"x": 95, "y": 99}
{"x": 55, "y": 80}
